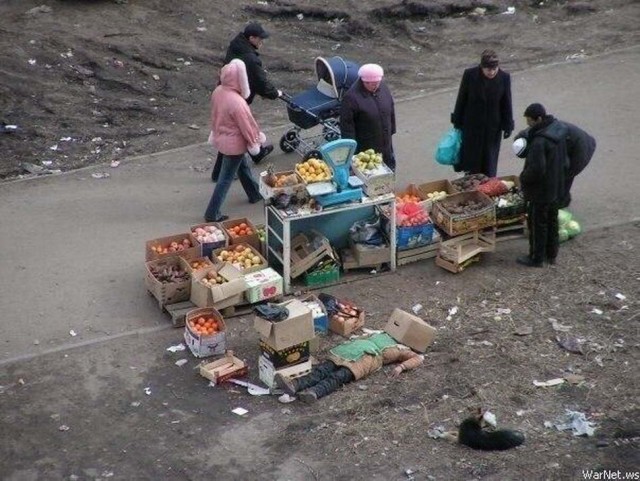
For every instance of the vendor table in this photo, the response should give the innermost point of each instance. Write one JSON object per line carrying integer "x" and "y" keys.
{"x": 332, "y": 222}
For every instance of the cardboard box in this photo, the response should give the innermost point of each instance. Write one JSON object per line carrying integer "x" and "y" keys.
{"x": 410, "y": 330}
{"x": 205, "y": 346}
{"x": 267, "y": 371}
{"x": 435, "y": 186}
{"x": 207, "y": 247}
{"x": 379, "y": 183}
{"x": 319, "y": 313}
{"x": 411, "y": 189}
{"x": 221, "y": 295}
{"x": 347, "y": 326}
{"x": 169, "y": 293}
{"x": 244, "y": 270}
{"x": 296, "y": 329}
{"x": 458, "y": 224}
{"x": 314, "y": 345}
{"x": 253, "y": 239}
{"x": 188, "y": 253}
{"x": 307, "y": 249}
{"x": 224, "y": 369}
{"x": 366, "y": 255}
{"x": 285, "y": 357}
{"x": 267, "y": 192}
{"x": 348, "y": 319}
{"x": 262, "y": 285}
{"x": 188, "y": 264}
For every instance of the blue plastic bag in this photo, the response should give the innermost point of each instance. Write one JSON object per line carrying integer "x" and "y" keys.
{"x": 448, "y": 150}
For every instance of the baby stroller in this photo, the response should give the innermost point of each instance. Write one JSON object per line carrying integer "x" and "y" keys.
{"x": 318, "y": 106}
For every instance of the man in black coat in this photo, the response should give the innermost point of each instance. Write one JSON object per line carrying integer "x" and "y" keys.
{"x": 367, "y": 114}
{"x": 580, "y": 149}
{"x": 484, "y": 114}
{"x": 542, "y": 182}
{"x": 245, "y": 46}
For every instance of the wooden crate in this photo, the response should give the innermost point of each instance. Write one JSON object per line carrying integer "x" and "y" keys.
{"x": 455, "y": 254}
{"x": 178, "y": 311}
{"x": 458, "y": 224}
{"x": 419, "y": 253}
{"x": 515, "y": 230}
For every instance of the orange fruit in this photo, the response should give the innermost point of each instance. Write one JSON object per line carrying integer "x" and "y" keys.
{"x": 243, "y": 226}
{"x": 201, "y": 321}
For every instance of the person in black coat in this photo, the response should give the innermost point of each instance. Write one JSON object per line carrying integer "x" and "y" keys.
{"x": 580, "y": 149}
{"x": 484, "y": 114}
{"x": 367, "y": 114}
{"x": 542, "y": 183}
{"x": 245, "y": 46}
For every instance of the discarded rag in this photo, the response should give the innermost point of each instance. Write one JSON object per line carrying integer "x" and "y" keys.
{"x": 271, "y": 312}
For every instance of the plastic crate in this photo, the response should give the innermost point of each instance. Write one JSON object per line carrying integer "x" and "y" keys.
{"x": 322, "y": 277}
{"x": 414, "y": 236}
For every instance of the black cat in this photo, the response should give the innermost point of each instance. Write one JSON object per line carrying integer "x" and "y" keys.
{"x": 472, "y": 434}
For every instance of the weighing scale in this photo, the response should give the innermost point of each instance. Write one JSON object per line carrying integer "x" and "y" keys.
{"x": 338, "y": 154}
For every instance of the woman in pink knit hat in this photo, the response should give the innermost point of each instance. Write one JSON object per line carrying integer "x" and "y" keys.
{"x": 234, "y": 132}
{"x": 368, "y": 114}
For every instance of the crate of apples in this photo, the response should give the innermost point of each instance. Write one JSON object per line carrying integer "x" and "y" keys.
{"x": 174, "y": 246}
{"x": 213, "y": 279}
{"x": 240, "y": 230}
{"x": 241, "y": 256}
{"x": 208, "y": 233}
{"x": 205, "y": 326}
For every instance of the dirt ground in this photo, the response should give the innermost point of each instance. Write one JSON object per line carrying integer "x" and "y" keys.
{"x": 378, "y": 427}
{"x": 89, "y": 81}
{"x": 118, "y": 79}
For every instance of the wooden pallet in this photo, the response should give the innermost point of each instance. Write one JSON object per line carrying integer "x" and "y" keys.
{"x": 417, "y": 254}
{"x": 516, "y": 230}
{"x": 178, "y": 311}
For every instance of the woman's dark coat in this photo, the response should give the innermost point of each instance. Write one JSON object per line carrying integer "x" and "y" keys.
{"x": 369, "y": 119}
{"x": 483, "y": 111}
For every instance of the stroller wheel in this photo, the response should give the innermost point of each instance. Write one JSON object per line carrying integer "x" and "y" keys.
{"x": 331, "y": 130}
{"x": 289, "y": 141}
{"x": 312, "y": 154}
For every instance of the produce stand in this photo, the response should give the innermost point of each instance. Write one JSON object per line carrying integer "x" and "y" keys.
{"x": 333, "y": 222}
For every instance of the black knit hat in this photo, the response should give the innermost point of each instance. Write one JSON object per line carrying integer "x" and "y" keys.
{"x": 254, "y": 29}
{"x": 535, "y": 111}
{"x": 489, "y": 59}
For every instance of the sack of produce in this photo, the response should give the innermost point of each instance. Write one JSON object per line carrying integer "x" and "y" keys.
{"x": 568, "y": 227}
{"x": 448, "y": 150}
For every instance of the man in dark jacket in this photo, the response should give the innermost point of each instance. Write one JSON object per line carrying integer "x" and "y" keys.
{"x": 580, "y": 149}
{"x": 367, "y": 114}
{"x": 484, "y": 114}
{"x": 245, "y": 46}
{"x": 542, "y": 181}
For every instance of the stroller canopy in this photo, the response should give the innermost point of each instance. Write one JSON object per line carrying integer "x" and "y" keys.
{"x": 335, "y": 75}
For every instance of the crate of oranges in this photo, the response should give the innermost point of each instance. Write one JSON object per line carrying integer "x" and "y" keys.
{"x": 241, "y": 231}
{"x": 205, "y": 332}
{"x": 409, "y": 194}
